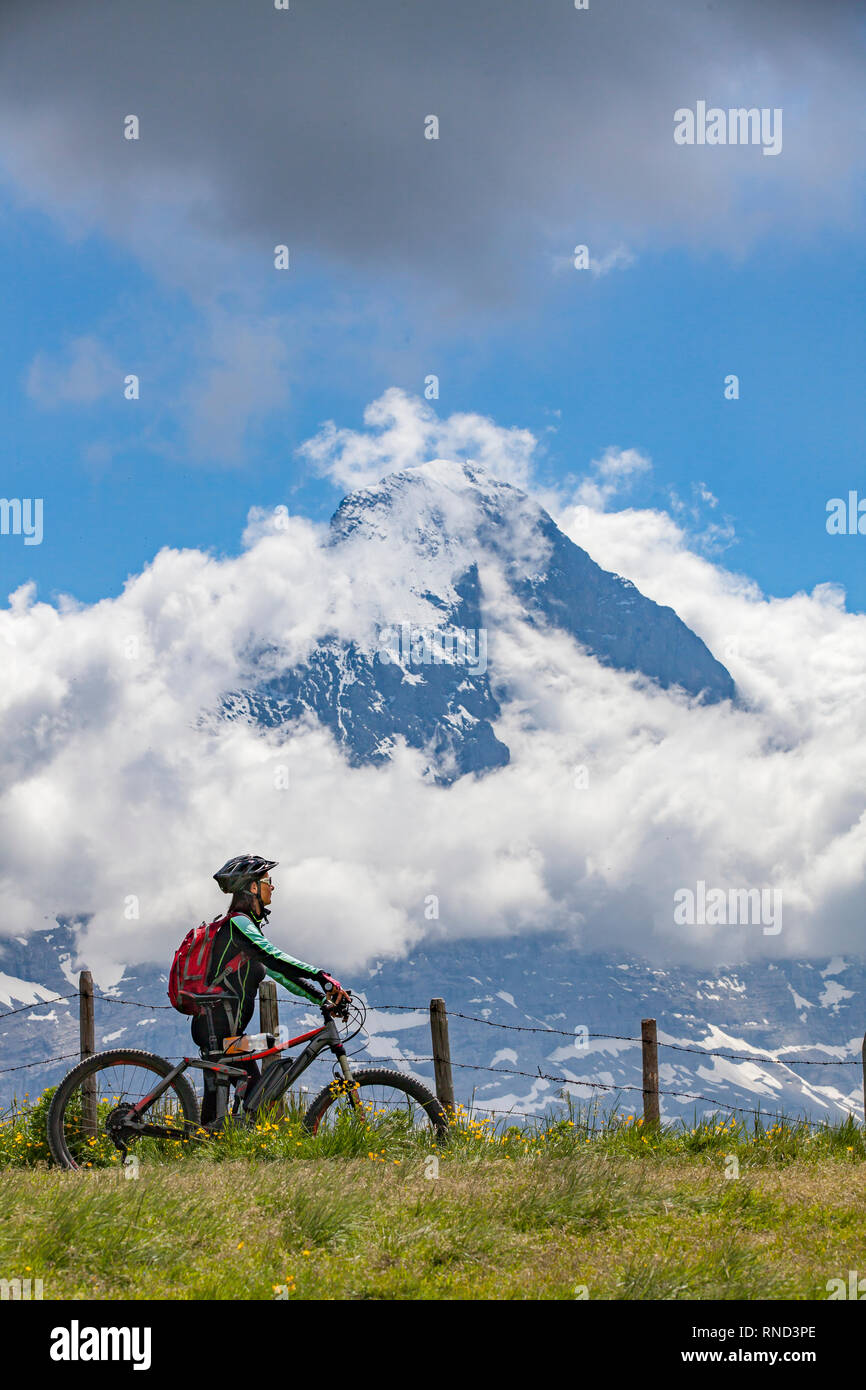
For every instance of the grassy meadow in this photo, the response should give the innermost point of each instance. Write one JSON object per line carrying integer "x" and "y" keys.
{"x": 580, "y": 1207}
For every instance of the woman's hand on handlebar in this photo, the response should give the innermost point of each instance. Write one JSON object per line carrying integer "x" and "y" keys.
{"x": 336, "y": 998}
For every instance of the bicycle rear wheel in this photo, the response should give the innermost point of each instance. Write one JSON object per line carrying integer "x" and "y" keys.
{"x": 86, "y": 1128}
{"x": 387, "y": 1102}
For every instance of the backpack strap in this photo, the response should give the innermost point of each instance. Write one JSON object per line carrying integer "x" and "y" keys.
{"x": 236, "y": 959}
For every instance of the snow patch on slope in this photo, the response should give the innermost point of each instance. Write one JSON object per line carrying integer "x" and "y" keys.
{"x": 15, "y": 991}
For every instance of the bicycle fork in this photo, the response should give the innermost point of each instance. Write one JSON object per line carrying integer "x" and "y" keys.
{"x": 351, "y": 1091}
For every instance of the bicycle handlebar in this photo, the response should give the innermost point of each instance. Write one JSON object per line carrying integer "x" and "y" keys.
{"x": 337, "y": 1010}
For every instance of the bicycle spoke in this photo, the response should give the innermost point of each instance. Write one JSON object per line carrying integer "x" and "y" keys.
{"x": 381, "y": 1108}
{"x": 93, "y": 1124}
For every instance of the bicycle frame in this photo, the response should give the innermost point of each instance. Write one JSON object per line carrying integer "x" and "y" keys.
{"x": 277, "y": 1079}
{"x": 268, "y": 1089}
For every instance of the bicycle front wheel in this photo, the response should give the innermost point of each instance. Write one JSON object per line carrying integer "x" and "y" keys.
{"x": 87, "y": 1125}
{"x": 385, "y": 1103}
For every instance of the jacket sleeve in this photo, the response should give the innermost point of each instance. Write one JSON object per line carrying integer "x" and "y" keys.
{"x": 295, "y": 975}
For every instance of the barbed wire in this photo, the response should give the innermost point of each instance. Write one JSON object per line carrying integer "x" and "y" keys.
{"x": 44, "y": 1063}
{"x": 602, "y": 1086}
{"x": 522, "y": 1027}
{"x": 524, "y": 1115}
{"x": 534, "y": 1076}
{"x": 780, "y": 1061}
{"x": 504, "y": 1071}
{"x": 410, "y": 1008}
{"x": 622, "y": 1037}
{"x": 509, "y": 1027}
{"x": 26, "y": 1007}
{"x": 134, "y": 1003}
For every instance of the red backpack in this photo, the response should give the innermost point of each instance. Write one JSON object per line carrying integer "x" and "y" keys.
{"x": 191, "y": 964}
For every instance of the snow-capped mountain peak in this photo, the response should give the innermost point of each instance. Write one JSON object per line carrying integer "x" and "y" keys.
{"x": 424, "y": 550}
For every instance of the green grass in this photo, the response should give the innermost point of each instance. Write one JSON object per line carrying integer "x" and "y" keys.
{"x": 753, "y": 1144}
{"x": 359, "y": 1213}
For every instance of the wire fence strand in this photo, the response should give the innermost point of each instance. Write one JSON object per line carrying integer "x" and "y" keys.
{"x": 509, "y": 1027}
{"x": 537, "y": 1075}
{"x": 25, "y": 1008}
{"x": 43, "y": 1063}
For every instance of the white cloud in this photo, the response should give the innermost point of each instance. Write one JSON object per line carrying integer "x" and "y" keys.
{"x": 239, "y": 378}
{"x": 705, "y": 534}
{"x": 407, "y": 433}
{"x": 219, "y": 381}
{"x": 85, "y": 372}
{"x": 112, "y": 791}
{"x": 619, "y": 258}
{"x": 613, "y": 473}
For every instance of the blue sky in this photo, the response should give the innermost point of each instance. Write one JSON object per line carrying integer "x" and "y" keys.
{"x": 754, "y": 268}
{"x": 636, "y": 358}
{"x": 412, "y": 257}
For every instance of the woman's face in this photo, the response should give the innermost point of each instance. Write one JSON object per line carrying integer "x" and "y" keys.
{"x": 265, "y": 888}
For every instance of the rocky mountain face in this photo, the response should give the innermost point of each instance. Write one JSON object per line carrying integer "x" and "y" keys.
{"x": 442, "y": 558}
{"x": 451, "y": 549}
{"x": 367, "y": 701}
{"x": 540, "y": 1020}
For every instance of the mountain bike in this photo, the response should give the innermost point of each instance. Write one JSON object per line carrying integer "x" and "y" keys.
{"x": 111, "y": 1100}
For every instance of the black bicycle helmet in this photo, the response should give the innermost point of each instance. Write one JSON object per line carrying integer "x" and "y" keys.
{"x": 241, "y": 871}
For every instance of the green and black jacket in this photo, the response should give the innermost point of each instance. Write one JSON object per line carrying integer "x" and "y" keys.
{"x": 242, "y": 933}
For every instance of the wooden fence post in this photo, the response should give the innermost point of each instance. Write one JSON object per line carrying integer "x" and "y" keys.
{"x": 650, "y": 1050}
{"x": 441, "y": 1053}
{"x": 269, "y": 1022}
{"x": 87, "y": 1047}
